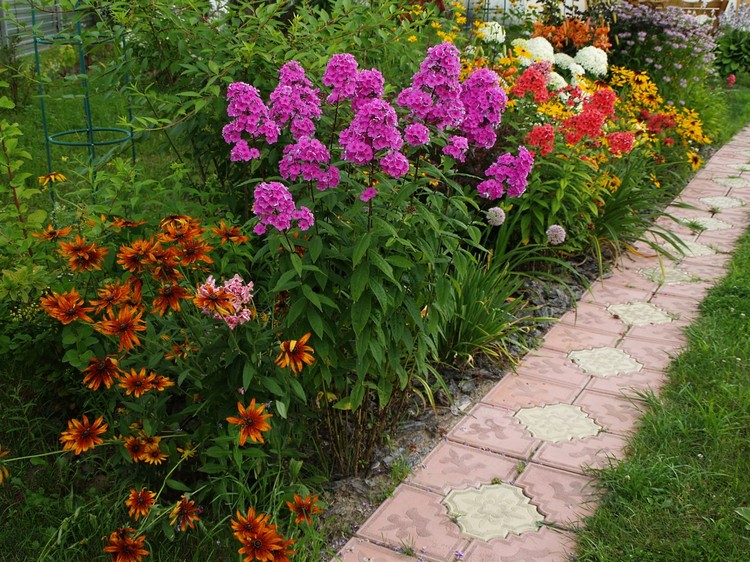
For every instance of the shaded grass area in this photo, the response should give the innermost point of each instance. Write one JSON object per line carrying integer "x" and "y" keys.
{"x": 738, "y": 108}
{"x": 688, "y": 467}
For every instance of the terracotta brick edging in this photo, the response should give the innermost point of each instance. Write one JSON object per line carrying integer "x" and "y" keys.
{"x": 514, "y": 468}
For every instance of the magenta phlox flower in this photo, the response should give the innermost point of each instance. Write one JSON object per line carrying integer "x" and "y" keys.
{"x": 368, "y": 193}
{"x": 416, "y": 134}
{"x": 369, "y": 85}
{"x": 274, "y": 206}
{"x": 457, "y": 147}
{"x": 394, "y": 164}
{"x": 509, "y": 172}
{"x": 374, "y": 128}
{"x": 251, "y": 116}
{"x": 484, "y": 101}
{"x": 434, "y": 94}
{"x": 341, "y": 76}
{"x": 308, "y": 159}
{"x": 295, "y": 101}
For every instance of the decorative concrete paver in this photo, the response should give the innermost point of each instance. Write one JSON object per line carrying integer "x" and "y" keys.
{"x": 639, "y": 314}
{"x": 604, "y": 361}
{"x": 514, "y": 392}
{"x": 522, "y": 454}
{"x": 492, "y": 511}
{"x": 415, "y": 519}
{"x": 557, "y": 422}
{"x": 453, "y": 465}
{"x": 668, "y": 275}
{"x": 721, "y": 202}
{"x": 564, "y": 498}
{"x": 580, "y": 454}
{"x": 544, "y": 545}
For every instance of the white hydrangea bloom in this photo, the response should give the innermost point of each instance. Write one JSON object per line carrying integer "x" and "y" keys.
{"x": 563, "y": 61}
{"x": 593, "y": 60}
{"x": 538, "y": 47}
{"x": 555, "y": 81}
{"x": 493, "y": 32}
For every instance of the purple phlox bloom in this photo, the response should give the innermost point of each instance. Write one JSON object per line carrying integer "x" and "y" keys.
{"x": 484, "y": 101}
{"x": 508, "y": 171}
{"x": 457, "y": 147}
{"x": 308, "y": 159}
{"x": 295, "y": 101}
{"x": 394, "y": 164}
{"x": 434, "y": 94}
{"x": 368, "y": 194}
{"x": 369, "y": 85}
{"x": 251, "y": 116}
{"x": 374, "y": 128}
{"x": 274, "y": 206}
{"x": 341, "y": 76}
{"x": 416, "y": 134}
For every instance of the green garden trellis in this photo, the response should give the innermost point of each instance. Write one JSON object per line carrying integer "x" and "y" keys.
{"x": 80, "y": 38}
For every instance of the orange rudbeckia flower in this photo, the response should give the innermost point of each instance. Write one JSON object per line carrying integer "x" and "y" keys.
{"x": 137, "y": 383}
{"x": 124, "y": 325}
{"x": 82, "y": 435}
{"x": 229, "y": 233}
{"x": 101, "y": 372}
{"x": 50, "y": 233}
{"x": 135, "y": 447}
{"x": 295, "y": 354}
{"x": 81, "y": 255}
{"x": 252, "y": 422}
{"x": 126, "y": 548}
{"x": 111, "y": 295}
{"x": 305, "y": 508}
{"x": 66, "y": 307}
{"x": 140, "y": 503}
{"x": 135, "y": 258}
{"x": 185, "y": 513}
{"x": 169, "y": 297}
{"x": 215, "y": 299}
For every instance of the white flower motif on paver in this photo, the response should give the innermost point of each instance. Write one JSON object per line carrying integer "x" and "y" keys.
{"x": 557, "y": 422}
{"x": 695, "y": 249}
{"x": 722, "y": 202}
{"x": 732, "y": 182}
{"x": 491, "y": 511}
{"x": 639, "y": 313}
{"x": 741, "y": 167}
{"x": 667, "y": 275}
{"x": 604, "y": 361}
{"x": 708, "y": 223}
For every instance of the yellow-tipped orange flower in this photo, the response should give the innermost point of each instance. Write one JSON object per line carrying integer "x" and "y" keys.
{"x": 53, "y": 177}
{"x": 295, "y": 354}
{"x": 4, "y": 474}
{"x": 82, "y": 435}
{"x": 126, "y": 548}
{"x": 305, "y": 508}
{"x": 124, "y": 324}
{"x": 50, "y": 233}
{"x": 184, "y": 514}
{"x": 140, "y": 503}
{"x": 252, "y": 422}
{"x": 66, "y": 307}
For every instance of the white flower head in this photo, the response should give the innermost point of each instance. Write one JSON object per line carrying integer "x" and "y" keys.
{"x": 593, "y": 60}
{"x": 563, "y": 61}
{"x": 556, "y": 82}
{"x": 555, "y": 235}
{"x": 495, "y": 216}
{"x": 538, "y": 48}
{"x": 493, "y": 32}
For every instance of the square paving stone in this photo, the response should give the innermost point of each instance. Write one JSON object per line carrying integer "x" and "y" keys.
{"x": 544, "y": 545}
{"x": 579, "y": 454}
{"x": 621, "y": 287}
{"x": 652, "y": 354}
{"x": 552, "y": 365}
{"x": 593, "y": 317}
{"x": 673, "y": 333}
{"x": 360, "y": 550}
{"x": 563, "y": 337}
{"x": 518, "y": 391}
{"x": 615, "y": 415}
{"x": 494, "y": 429}
{"x": 629, "y": 385}
{"x": 453, "y": 465}
{"x": 416, "y": 519}
{"x": 563, "y": 497}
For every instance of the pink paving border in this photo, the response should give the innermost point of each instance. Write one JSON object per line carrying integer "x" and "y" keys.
{"x": 489, "y": 444}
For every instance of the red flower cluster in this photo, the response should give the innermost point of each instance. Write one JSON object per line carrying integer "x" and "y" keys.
{"x": 542, "y": 137}
{"x": 532, "y": 80}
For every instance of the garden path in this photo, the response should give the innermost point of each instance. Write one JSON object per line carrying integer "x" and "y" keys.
{"x": 509, "y": 481}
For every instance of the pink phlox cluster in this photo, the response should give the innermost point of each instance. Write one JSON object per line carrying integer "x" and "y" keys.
{"x": 602, "y": 101}
{"x": 484, "y": 101}
{"x": 251, "y": 116}
{"x": 588, "y": 123}
{"x": 274, "y": 206}
{"x": 368, "y": 193}
{"x": 542, "y": 137}
{"x": 534, "y": 80}
{"x": 341, "y": 76}
{"x": 434, "y": 95}
{"x": 416, "y": 134}
{"x": 295, "y": 101}
{"x": 242, "y": 294}
{"x": 308, "y": 158}
{"x": 369, "y": 85}
{"x": 457, "y": 147}
{"x": 374, "y": 128}
{"x": 394, "y": 164}
{"x": 620, "y": 142}
{"x": 508, "y": 171}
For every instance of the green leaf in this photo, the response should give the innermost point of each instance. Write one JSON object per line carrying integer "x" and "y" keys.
{"x": 297, "y": 389}
{"x": 360, "y": 249}
{"x": 378, "y": 261}
{"x": 359, "y": 281}
{"x": 361, "y": 314}
{"x": 6, "y": 103}
{"x": 312, "y": 296}
{"x": 177, "y": 485}
{"x": 273, "y": 386}
{"x": 281, "y": 408}
{"x": 316, "y": 322}
{"x": 247, "y": 375}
